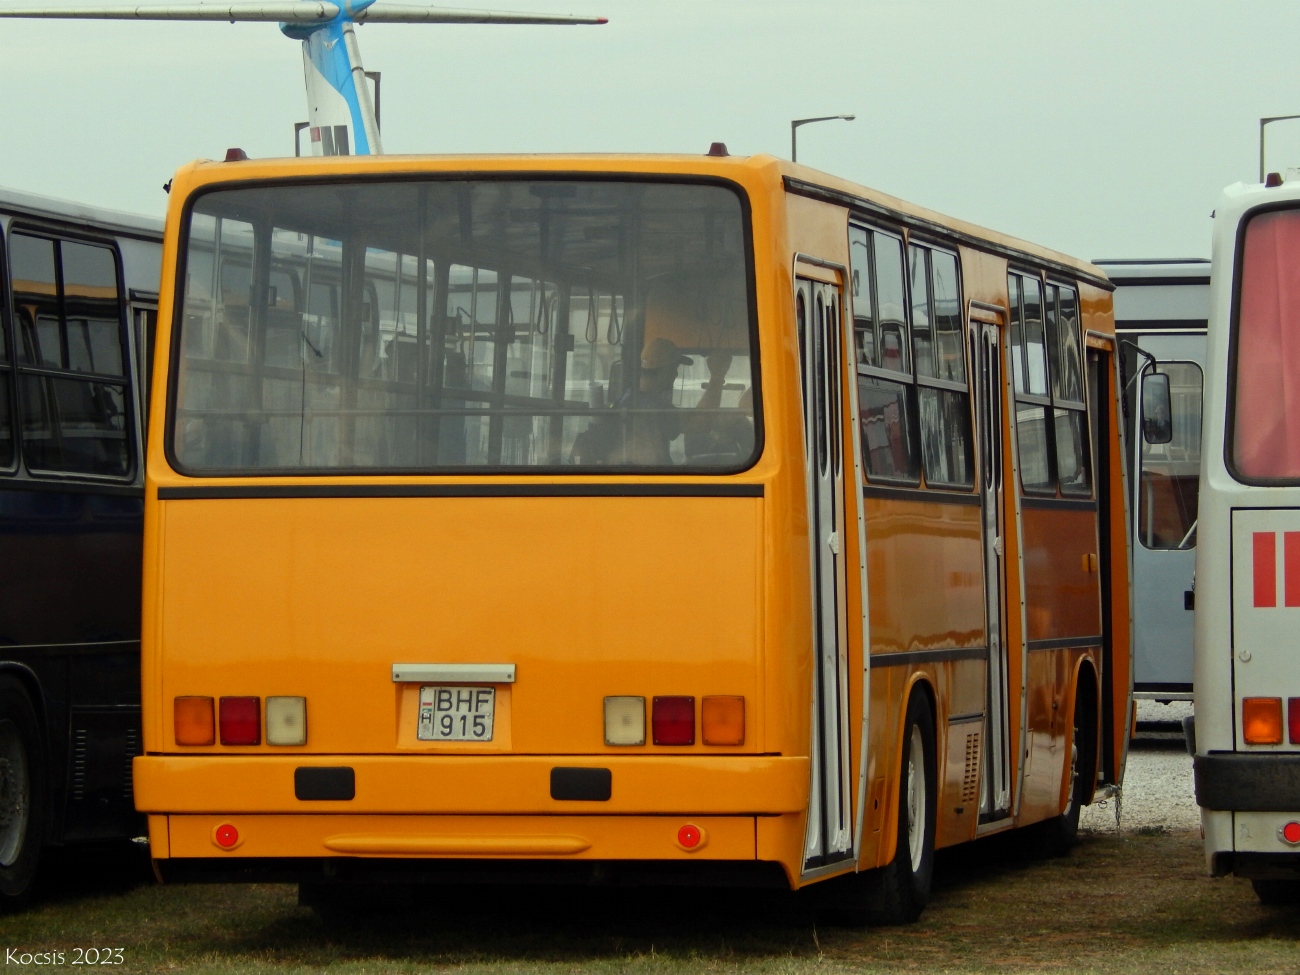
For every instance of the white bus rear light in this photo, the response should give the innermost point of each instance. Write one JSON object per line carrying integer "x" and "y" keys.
{"x": 624, "y": 721}
{"x": 1261, "y": 720}
{"x": 286, "y": 721}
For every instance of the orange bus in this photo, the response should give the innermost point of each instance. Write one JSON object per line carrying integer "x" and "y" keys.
{"x": 621, "y": 519}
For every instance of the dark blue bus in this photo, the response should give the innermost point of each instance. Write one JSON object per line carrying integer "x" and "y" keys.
{"x": 78, "y": 303}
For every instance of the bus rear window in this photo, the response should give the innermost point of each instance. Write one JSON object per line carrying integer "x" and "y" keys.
{"x": 1266, "y": 413}
{"x": 457, "y": 325}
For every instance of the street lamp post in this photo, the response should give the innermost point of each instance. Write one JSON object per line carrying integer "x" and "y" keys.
{"x": 1263, "y": 122}
{"x": 794, "y": 128}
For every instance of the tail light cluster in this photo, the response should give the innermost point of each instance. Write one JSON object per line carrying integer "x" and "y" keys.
{"x": 238, "y": 720}
{"x": 672, "y": 720}
{"x": 1261, "y": 720}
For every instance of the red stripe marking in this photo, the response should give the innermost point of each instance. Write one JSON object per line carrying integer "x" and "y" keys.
{"x": 1291, "y": 566}
{"x": 1265, "y": 568}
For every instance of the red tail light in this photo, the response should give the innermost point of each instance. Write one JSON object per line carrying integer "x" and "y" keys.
{"x": 673, "y": 720}
{"x": 241, "y": 721}
{"x": 1293, "y": 719}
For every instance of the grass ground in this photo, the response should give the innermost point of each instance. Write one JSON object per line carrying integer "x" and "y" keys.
{"x": 1136, "y": 903}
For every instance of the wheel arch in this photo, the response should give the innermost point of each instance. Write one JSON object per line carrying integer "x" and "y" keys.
{"x": 918, "y": 683}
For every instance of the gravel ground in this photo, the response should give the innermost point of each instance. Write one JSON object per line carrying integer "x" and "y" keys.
{"x": 1157, "y": 780}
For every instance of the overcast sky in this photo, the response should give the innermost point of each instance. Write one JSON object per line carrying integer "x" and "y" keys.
{"x": 1103, "y": 128}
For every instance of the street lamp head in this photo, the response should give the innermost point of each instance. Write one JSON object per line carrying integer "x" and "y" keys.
{"x": 794, "y": 128}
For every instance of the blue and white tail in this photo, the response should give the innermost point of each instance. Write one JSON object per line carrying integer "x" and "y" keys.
{"x": 342, "y": 113}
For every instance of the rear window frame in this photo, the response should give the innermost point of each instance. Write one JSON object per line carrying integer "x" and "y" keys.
{"x": 1234, "y": 333}
{"x": 514, "y": 471}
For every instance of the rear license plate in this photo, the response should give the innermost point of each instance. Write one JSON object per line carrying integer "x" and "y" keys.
{"x": 456, "y": 713}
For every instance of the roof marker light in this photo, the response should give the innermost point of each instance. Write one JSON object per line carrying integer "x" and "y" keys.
{"x": 236, "y": 155}
{"x": 1272, "y": 180}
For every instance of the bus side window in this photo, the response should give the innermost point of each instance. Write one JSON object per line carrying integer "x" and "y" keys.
{"x": 1073, "y": 454}
{"x": 886, "y": 394}
{"x": 1025, "y": 296}
{"x": 74, "y": 421}
{"x": 943, "y": 407}
{"x": 1051, "y": 419}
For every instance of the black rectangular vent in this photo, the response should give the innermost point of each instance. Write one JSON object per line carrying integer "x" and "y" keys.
{"x": 327, "y": 782}
{"x": 582, "y": 784}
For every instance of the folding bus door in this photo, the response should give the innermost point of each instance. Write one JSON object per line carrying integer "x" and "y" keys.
{"x": 986, "y": 357}
{"x": 817, "y": 313}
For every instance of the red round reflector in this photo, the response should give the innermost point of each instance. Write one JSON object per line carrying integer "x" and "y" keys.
{"x": 1291, "y": 832}
{"x": 226, "y": 836}
{"x": 689, "y": 836}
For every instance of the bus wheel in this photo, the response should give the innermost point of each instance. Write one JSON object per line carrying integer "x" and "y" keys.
{"x": 22, "y": 793}
{"x": 897, "y": 893}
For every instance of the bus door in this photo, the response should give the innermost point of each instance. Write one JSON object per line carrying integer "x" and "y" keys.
{"x": 1164, "y": 512}
{"x": 1101, "y": 396}
{"x": 817, "y": 314}
{"x": 986, "y": 355}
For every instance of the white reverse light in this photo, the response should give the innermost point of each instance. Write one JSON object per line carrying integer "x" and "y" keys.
{"x": 286, "y": 721}
{"x": 624, "y": 721}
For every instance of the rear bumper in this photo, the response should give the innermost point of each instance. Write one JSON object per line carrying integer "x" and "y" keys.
{"x": 471, "y": 785}
{"x": 1235, "y": 782}
{"x": 320, "y": 873}
{"x": 263, "y": 840}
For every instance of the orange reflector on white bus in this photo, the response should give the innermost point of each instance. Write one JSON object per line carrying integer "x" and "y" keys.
{"x": 1261, "y": 720}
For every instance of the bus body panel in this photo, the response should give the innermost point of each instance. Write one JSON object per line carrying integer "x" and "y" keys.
{"x": 340, "y": 590}
{"x": 1061, "y": 580}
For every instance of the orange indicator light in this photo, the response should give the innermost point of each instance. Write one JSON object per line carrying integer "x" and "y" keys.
{"x": 193, "y": 721}
{"x": 1261, "y": 720}
{"x": 722, "y": 720}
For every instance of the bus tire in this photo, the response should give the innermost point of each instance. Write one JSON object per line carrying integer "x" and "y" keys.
{"x": 22, "y": 794}
{"x": 1058, "y": 835}
{"x": 898, "y": 893}
{"x": 1277, "y": 892}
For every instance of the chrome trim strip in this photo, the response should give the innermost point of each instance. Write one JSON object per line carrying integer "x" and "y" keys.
{"x": 453, "y": 673}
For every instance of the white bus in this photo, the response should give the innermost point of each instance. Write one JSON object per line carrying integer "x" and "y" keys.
{"x": 1246, "y": 737}
{"x": 1161, "y": 308}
